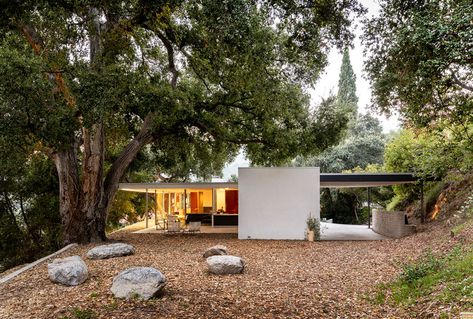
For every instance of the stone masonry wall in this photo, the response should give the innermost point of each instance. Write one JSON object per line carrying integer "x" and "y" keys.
{"x": 391, "y": 224}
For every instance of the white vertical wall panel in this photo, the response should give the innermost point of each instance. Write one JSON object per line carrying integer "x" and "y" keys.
{"x": 274, "y": 203}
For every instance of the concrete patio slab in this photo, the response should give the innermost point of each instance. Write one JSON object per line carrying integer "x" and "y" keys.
{"x": 203, "y": 230}
{"x": 330, "y": 231}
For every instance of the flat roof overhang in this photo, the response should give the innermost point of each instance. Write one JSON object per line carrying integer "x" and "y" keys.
{"x": 327, "y": 180}
{"x": 142, "y": 187}
{"x": 333, "y": 180}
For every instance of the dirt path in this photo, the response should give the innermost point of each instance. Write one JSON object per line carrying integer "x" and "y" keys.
{"x": 283, "y": 279}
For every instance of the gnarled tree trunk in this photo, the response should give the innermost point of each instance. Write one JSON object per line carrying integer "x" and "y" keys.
{"x": 84, "y": 199}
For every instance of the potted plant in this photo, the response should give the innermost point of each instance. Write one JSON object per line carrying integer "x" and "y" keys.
{"x": 313, "y": 229}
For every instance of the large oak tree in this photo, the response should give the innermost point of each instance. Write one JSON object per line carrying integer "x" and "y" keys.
{"x": 92, "y": 83}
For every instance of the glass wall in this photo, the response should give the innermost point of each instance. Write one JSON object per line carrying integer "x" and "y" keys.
{"x": 195, "y": 204}
{"x": 200, "y": 201}
{"x": 227, "y": 200}
{"x": 169, "y": 202}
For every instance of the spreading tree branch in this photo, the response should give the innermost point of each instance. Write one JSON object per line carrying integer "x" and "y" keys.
{"x": 197, "y": 73}
{"x": 460, "y": 83}
{"x": 238, "y": 141}
{"x": 144, "y": 137}
{"x": 170, "y": 53}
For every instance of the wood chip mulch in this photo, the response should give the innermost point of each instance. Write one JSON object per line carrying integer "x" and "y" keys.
{"x": 283, "y": 279}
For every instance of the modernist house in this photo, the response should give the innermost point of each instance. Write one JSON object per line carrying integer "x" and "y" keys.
{"x": 266, "y": 203}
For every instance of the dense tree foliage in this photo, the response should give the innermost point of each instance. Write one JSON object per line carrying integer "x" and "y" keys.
{"x": 431, "y": 155}
{"x": 420, "y": 65}
{"x": 363, "y": 145}
{"x": 29, "y": 215}
{"x": 363, "y": 141}
{"x": 420, "y": 152}
{"x": 92, "y": 84}
{"x": 420, "y": 60}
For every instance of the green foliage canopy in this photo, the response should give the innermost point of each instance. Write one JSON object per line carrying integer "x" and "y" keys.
{"x": 212, "y": 72}
{"x": 427, "y": 154}
{"x": 430, "y": 154}
{"x": 420, "y": 58}
{"x": 29, "y": 217}
{"x": 363, "y": 145}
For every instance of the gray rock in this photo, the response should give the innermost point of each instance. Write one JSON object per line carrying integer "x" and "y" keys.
{"x": 223, "y": 265}
{"x": 215, "y": 251}
{"x": 69, "y": 271}
{"x": 139, "y": 282}
{"x": 110, "y": 251}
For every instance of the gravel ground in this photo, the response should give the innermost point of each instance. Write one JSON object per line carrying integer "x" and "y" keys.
{"x": 283, "y": 279}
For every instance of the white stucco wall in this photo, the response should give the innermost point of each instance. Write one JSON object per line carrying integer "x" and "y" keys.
{"x": 274, "y": 203}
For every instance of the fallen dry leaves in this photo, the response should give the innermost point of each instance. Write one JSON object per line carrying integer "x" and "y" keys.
{"x": 283, "y": 279}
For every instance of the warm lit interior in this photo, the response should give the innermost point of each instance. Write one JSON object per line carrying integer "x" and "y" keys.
{"x": 211, "y": 206}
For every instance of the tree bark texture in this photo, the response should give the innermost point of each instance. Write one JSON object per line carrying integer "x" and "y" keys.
{"x": 92, "y": 182}
{"x": 69, "y": 195}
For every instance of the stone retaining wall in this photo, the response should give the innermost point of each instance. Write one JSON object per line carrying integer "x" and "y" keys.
{"x": 391, "y": 224}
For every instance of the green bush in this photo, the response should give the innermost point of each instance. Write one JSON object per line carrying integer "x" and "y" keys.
{"x": 313, "y": 224}
{"x": 78, "y": 313}
{"x": 341, "y": 206}
{"x": 466, "y": 210}
{"x": 395, "y": 203}
{"x": 412, "y": 272}
{"x": 129, "y": 205}
{"x": 363, "y": 215}
{"x": 449, "y": 276}
{"x": 427, "y": 154}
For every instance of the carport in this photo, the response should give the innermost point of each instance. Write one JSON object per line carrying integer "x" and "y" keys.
{"x": 331, "y": 231}
{"x": 369, "y": 180}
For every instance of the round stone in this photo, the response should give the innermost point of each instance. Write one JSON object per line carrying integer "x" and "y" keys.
{"x": 110, "y": 251}
{"x": 138, "y": 282}
{"x": 223, "y": 265}
{"x": 69, "y": 271}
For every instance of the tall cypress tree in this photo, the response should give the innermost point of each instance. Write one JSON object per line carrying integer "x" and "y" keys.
{"x": 347, "y": 85}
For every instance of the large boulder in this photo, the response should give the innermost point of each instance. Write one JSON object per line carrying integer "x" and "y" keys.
{"x": 69, "y": 271}
{"x": 110, "y": 251}
{"x": 215, "y": 251}
{"x": 138, "y": 282}
{"x": 223, "y": 265}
